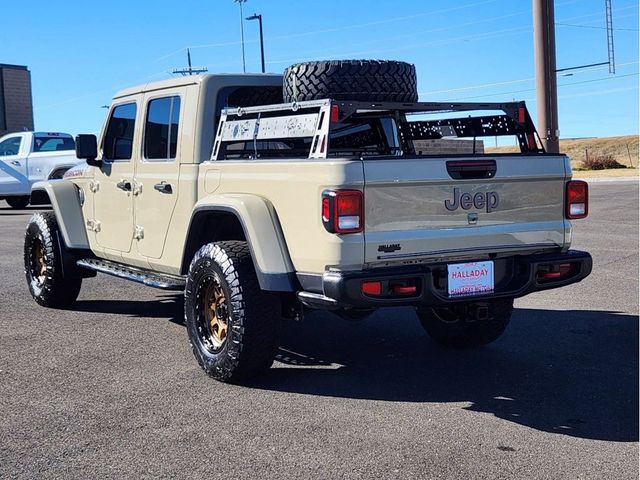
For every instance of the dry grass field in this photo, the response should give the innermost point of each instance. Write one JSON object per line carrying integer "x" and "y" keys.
{"x": 623, "y": 149}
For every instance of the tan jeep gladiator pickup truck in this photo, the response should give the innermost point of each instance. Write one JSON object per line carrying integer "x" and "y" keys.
{"x": 262, "y": 196}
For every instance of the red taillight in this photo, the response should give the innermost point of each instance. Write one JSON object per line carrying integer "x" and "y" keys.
{"x": 372, "y": 288}
{"x": 577, "y": 200}
{"x": 335, "y": 114}
{"x": 326, "y": 209}
{"x": 342, "y": 211}
{"x": 522, "y": 115}
{"x": 555, "y": 272}
{"x": 404, "y": 289}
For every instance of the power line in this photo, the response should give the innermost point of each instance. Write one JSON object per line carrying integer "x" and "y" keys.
{"x": 599, "y": 28}
{"x": 476, "y": 36}
{"x": 445, "y": 41}
{"x": 599, "y": 92}
{"x": 331, "y": 30}
{"x": 390, "y": 20}
{"x": 510, "y": 82}
{"x": 533, "y": 89}
{"x": 381, "y": 22}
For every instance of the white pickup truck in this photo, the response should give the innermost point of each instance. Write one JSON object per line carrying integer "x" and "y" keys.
{"x": 29, "y": 157}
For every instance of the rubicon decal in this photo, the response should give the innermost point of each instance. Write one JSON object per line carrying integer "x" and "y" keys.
{"x": 488, "y": 201}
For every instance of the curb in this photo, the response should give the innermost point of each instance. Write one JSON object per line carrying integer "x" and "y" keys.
{"x": 608, "y": 179}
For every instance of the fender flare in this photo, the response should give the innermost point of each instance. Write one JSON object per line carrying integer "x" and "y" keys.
{"x": 65, "y": 201}
{"x": 259, "y": 221}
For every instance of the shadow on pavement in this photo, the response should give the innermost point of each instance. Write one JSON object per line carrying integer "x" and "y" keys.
{"x": 167, "y": 306}
{"x": 568, "y": 372}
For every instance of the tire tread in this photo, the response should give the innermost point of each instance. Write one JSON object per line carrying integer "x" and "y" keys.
{"x": 57, "y": 291}
{"x": 254, "y": 339}
{"x": 367, "y": 80}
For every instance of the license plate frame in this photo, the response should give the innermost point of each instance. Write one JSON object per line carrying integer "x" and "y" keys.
{"x": 470, "y": 279}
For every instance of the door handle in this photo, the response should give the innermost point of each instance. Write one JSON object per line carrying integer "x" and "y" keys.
{"x": 124, "y": 185}
{"x": 163, "y": 187}
{"x": 15, "y": 163}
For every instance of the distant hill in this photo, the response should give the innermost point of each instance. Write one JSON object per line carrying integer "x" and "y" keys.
{"x": 623, "y": 149}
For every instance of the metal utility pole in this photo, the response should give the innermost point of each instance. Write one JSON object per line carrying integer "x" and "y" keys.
{"x": 610, "y": 50}
{"x": 190, "y": 70}
{"x": 544, "y": 42}
{"x": 240, "y": 2}
{"x": 258, "y": 17}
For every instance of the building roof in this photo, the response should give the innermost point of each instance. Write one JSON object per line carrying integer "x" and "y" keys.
{"x": 13, "y": 67}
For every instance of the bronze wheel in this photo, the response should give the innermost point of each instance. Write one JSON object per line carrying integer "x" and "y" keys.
{"x": 48, "y": 284}
{"x": 215, "y": 315}
{"x": 232, "y": 324}
{"x": 38, "y": 263}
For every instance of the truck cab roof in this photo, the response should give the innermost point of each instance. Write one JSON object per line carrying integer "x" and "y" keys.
{"x": 248, "y": 79}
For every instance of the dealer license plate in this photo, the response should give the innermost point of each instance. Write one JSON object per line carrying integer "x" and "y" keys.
{"x": 470, "y": 278}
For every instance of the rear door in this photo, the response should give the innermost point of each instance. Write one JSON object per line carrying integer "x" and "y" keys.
{"x": 13, "y": 165}
{"x": 157, "y": 172}
{"x": 418, "y": 208}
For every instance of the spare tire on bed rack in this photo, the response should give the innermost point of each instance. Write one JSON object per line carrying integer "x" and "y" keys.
{"x": 362, "y": 80}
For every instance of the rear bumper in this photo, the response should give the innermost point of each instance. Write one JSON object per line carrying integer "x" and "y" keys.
{"x": 515, "y": 276}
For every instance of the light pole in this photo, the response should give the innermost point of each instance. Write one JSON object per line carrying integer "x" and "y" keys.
{"x": 258, "y": 17}
{"x": 240, "y": 2}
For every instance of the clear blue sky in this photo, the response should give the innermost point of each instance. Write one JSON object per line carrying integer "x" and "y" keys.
{"x": 80, "y": 53}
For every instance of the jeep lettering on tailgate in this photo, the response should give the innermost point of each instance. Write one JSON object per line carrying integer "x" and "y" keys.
{"x": 488, "y": 201}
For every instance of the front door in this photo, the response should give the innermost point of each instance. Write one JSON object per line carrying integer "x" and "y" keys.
{"x": 13, "y": 166}
{"x": 113, "y": 182}
{"x": 157, "y": 171}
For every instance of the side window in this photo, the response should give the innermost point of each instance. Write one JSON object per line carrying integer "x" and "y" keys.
{"x": 161, "y": 128}
{"x": 10, "y": 146}
{"x": 118, "y": 140}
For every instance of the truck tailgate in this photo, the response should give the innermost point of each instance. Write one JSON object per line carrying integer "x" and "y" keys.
{"x": 415, "y": 210}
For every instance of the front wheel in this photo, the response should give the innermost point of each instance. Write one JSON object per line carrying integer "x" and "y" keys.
{"x": 43, "y": 266}
{"x": 18, "y": 202}
{"x": 232, "y": 324}
{"x": 467, "y": 325}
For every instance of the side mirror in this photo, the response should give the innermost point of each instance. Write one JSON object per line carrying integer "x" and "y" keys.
{"x": 87, "y": 149}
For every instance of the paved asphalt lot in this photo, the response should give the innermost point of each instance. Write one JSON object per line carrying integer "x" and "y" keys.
{"x": 110, "y": 389}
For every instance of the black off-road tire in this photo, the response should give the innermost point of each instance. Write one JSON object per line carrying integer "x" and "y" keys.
{"x": 458, "y": 327}
{"x": 18, "y": 202}
{"x": 43, "y": 265}
{"x": 362, "y": 80}
{"x": 253, "y": 317}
